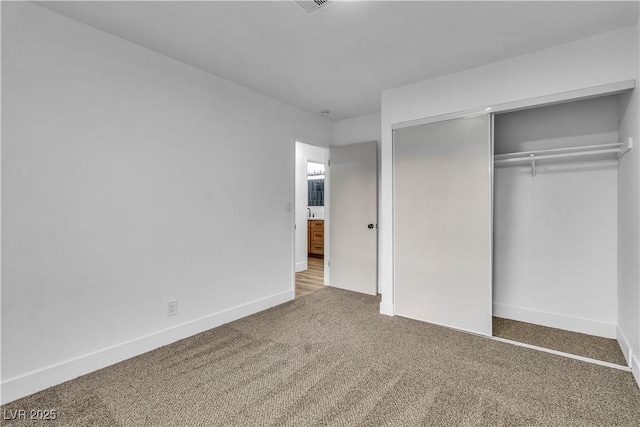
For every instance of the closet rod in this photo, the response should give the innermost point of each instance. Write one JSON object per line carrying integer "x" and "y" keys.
{"x": 615, "y": 145}
{"x": 613, "y": 151}
{"x": 530, "y": 156}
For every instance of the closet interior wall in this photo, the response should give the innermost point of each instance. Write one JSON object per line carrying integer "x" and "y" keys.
{"x": 555, "y": 233}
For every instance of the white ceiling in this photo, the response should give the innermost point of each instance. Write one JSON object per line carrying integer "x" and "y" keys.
{"x": 342, "y": 57}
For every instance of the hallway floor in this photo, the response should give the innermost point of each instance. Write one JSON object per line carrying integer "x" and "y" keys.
{"x": 312, "y": 279}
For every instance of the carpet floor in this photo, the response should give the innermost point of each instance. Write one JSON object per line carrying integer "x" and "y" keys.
{"x": 589, "y": 346}
{"x": 330, "y": 358}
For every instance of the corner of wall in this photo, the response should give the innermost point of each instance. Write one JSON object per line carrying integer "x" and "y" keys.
{"x": 635, "y": 369}
{"x": 386, "y": 308}
{"x": 625, "y": 346}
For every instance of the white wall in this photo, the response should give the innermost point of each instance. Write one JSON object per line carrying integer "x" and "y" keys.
{"x": 587, "y": 122}
{"x": 605, "y": 58}
{"x": 130, "y": 179}
{"x": 555, "y": 234}
{"x": 358, "y": 129}
{"x": 629, "y": 226}
{"x": 305, "y": 153}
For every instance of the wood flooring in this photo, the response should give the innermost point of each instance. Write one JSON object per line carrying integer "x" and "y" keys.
{"x": 312, "y": 279}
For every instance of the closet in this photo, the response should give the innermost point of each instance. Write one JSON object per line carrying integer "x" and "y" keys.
{"x": 510, "y": 212}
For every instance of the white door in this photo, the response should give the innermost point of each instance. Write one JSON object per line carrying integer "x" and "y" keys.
{"x": 443, "y": 223}
{"x": 353, "y": 216}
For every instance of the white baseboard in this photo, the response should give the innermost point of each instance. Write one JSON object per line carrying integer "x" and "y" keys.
{"x": 623, "y": 342}
{"x": 553, "y": 320}
{"x": 632, "y": 358}
{"x": 301, "y": 266}
{"x": 635, "y": 368}
{"x": 32, "y": 382}
{"x": 386, "y": 309}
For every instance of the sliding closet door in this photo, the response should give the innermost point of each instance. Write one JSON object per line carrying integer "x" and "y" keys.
{"x": 443, "y": 223}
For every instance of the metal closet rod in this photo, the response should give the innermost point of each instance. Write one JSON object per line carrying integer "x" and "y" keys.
{"x": 616, "y": 150}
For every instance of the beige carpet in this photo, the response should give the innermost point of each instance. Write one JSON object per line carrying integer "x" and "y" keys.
{"x": 329, "y": 358}
{"x": 597, "y": 348}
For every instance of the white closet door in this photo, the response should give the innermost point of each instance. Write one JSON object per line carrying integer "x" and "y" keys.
{"x": 443, "y": 223}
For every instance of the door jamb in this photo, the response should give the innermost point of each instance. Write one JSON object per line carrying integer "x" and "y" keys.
{"x": 327, "y": 220}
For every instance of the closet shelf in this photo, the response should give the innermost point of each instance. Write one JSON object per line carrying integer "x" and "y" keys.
{"x": 590, "y": 152}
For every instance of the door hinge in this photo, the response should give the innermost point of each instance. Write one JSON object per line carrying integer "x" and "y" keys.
{"x": 329, "y": 263}
{"x": 328, "y": 162}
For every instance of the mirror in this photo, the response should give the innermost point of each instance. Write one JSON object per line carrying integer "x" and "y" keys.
{"x": 315, "y": 182}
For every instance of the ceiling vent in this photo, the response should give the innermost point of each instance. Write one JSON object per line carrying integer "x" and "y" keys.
{"x": 312, "y": 5}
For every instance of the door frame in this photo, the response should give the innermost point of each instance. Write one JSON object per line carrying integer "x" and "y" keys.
{"x": 327, "y": 221}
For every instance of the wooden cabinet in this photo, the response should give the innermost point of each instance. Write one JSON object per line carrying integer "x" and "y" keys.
{"x": 315, "y": 236}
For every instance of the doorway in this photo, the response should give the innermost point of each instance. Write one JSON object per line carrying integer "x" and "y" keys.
{"x": 343, "y": 232}
{"x": 552, "y": 287}
{"x": 311, "y": 192}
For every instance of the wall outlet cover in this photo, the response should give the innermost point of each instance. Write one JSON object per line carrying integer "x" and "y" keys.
{"x": 172, "y": 308}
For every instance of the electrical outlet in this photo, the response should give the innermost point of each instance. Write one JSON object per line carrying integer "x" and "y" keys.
{"x": 172, "y": 308}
